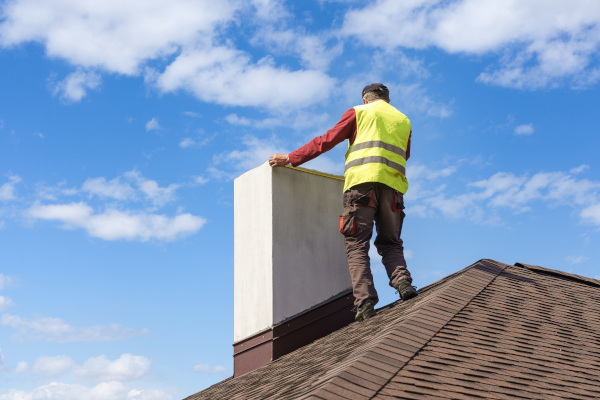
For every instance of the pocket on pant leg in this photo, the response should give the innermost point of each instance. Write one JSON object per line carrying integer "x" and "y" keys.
{"x": 348, "y": 222}
{"x": 356, "y": 202}
{"x": 398, "y": 203}
{"x": 402, "y": 215}
{"x": 398, "y": 207}
{"x": 358, "y": 196}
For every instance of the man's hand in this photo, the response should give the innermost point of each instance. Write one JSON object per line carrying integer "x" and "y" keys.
{"x": 279, "y": 160}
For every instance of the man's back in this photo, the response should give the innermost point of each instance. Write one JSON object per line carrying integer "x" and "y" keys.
{"x": 378, "y": 153}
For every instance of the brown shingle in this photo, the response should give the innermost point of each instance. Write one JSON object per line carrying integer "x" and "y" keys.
{"x": 490, "y": 331}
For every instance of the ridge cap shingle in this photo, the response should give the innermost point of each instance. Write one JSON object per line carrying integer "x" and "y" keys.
{"x": 558, "y": 273}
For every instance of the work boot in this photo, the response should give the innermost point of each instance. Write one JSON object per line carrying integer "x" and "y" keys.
{"x": 365, "y": 311}
{"x": 405, "y": 289}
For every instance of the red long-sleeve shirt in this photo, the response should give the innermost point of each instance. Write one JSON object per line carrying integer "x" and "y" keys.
{"x": 344, "y": 129}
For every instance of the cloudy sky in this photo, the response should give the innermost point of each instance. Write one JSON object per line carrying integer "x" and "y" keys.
{"x": 124, "y": 123}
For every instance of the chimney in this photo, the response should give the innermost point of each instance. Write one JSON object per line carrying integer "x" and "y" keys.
{"x": 291, "y": 276}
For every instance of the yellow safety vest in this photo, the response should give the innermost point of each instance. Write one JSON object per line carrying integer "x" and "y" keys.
{"x": 379, "y": 152}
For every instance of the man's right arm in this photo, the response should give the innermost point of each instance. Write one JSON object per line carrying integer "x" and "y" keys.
{"x": 344, "y": 129}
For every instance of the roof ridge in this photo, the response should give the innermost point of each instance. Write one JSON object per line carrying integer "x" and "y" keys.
{"x": 408, "y": 334}
{"x": 555, "y": 272}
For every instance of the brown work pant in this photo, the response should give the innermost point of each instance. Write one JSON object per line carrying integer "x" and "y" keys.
{"x": 364, "y": 204}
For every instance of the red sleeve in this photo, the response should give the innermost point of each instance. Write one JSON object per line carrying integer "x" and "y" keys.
{"x": 408, "y": 147}
{"x": 344, "y": 129}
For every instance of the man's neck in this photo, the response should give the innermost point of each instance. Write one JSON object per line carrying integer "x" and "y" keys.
{"x": 373, "y": 101}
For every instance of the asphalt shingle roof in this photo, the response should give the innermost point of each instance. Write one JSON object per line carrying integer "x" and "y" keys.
{"x": 490, "y": 331}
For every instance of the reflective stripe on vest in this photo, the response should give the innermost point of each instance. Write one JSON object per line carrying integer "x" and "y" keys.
{"x": 379, "y": 143}
{"x": 375, "y": 159}
{"x": 378, "y": 153}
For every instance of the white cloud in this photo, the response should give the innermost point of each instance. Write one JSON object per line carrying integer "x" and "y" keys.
{"x": 576, "y": 259}
{"x": 5, "y": 303}
{"x": 57, "y": 330}
{"x": 197, "y": 142}
{"x": 115, "y": 36}
{"x": 114, "y": 188}
{"x": 124, "y": 36}
{"x": 311, "y": 49}
{"x": 414, "y": 99}
{"x": 126, "y": 368}
{"x": 221, "y": 175}
{"x": 114, "y": 224}
{"x": 152, "y": 125}
{"x": 280, "y": 32}
{"x": 158, "y": 195}
{"x": 456, "y": 206}
{"x": 234, "y": 119}
{"x": 5, "y": 281}
{"x": 255, "y": 152}
{"x": 265, "y": 123}
{"x": 21, "y": 367}
{"x": 580, "y": 169}
{"x": 54, "y": 192}
{"x": 228, "y": 76}
{"x": 52, "y": 366}
{"x": 192, "y": 114}
{"x": 314, "y": 52}
{"x": 269, "y": 10}
{"x": 421, "y": 171}
{"x": 72, "y": 215}
{"x": 120, "y": 188}
{"x": 187, "y": 142}
{"x": 507, "y": 190}
{"x": 8, "y": 190}
{"x": 524, "y": 130}
{"x": 298, "y": 120}
{"x": 103, "y": 391}
{"x": 420, "y": 178}
{"x": 75, "y": 86}
{"x": 591, "y": 214}
{"x": 200, "y": 180}
{"x": 206, "y": 368}
{"x": 537, "y": 48}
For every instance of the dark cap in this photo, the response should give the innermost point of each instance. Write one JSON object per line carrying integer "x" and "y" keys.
{"x": 376, "y": 87}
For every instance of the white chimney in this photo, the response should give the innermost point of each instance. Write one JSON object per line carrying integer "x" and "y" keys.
{"x": 291, "y": 275}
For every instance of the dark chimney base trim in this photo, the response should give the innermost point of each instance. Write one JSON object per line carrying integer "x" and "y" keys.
{"x": 258, "y": 350}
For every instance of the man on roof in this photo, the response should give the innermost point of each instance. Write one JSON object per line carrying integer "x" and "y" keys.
{"x": 374, "y": 186}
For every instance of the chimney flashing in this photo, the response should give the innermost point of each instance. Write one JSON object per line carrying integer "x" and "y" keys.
{"x": 295, "y": 332}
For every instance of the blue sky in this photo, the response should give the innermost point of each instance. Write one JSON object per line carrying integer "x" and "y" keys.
{"x": 124, "y": 123}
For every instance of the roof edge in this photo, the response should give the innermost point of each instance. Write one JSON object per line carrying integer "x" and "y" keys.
{"x": 561, "y": 274}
